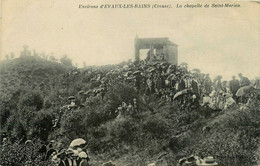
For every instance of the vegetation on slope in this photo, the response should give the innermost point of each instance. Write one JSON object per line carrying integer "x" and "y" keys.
{"x": 34, "y": 92}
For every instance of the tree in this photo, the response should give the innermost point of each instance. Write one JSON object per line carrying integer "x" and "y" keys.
{"x": 52, "y": 57}
{"x": 43, "y": 124}
{"x": 7, "y": 57}
{"x": 196, "y": 71}
{"x": 84, "y": 64}
{"x": 43, "y": 55}
{"x": 65, "y": 60}
{"x": 26, "y": 51}
{"x": 12, "y": 55}
{"x": 35, "y": 53}
{"x": 31, "y": 99}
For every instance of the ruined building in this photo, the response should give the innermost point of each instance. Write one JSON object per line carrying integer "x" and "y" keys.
{"x": 160, "y": 50}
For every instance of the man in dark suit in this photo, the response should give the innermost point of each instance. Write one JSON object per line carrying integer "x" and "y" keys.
{"x": 234, "y": 86}
{"x": 181, "y": 85}
{"x": 195, "y": 88}
{"x": 208, "y": 84}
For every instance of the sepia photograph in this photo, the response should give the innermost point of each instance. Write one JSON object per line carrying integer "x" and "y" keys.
{"x": 129, "y": 83}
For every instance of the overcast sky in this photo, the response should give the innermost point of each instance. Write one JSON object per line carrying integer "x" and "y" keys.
{"x": 222, "y": 41}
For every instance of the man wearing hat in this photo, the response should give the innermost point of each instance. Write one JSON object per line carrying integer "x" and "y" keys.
{"x": 207, "y": 84}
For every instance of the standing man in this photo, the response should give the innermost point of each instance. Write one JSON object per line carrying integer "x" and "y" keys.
{"x": 181, "y": 85}
{"x": 187, "y": 81}
{"x": 195, "y": 88}
{"x": 257, "y": 83}
{"x": 234, "y": 86}
{"x": 137, "y": 81}
{"x": 208, "y": 85}
{"x": 224, "y": 86}
{"x": 218, "y": 83}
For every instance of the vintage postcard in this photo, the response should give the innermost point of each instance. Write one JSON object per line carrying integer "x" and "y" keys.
{"x": 129, "y": 82}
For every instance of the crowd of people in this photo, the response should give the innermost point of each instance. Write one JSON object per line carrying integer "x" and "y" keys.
{"x": 171, "y": 82}
{"x": 162, "y": 80}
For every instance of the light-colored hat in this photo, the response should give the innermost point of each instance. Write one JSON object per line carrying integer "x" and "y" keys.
{"x": 83, "y": 155}
{"x": 79, "y": 142}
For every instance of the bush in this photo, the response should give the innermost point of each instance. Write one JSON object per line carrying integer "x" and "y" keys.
{"x": 120, "y": 92}
{"x": 43, "y": 124}
{"x": 22, "y": 154}
{"x": 73, "y": 125}
{"x": 157, "y": 126}
{"x": 123, "y": 130}
{"x": 31, "y": 99}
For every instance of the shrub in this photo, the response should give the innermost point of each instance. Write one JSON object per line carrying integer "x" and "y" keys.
{"x": 31, "y": 99}
{"x": 157, "y": 126}
{"x": 120, "y": 92}
{"x": 18, "y": 153}
{"x": 73, "y": 125}
{"x": 43, "y": 124}
{"x": 123, "y": 129}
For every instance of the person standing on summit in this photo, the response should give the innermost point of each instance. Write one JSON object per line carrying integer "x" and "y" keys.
{"x": 207, "y": 84}
{"x": 234, "y": 86}
{"x": 218, "y": 83}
